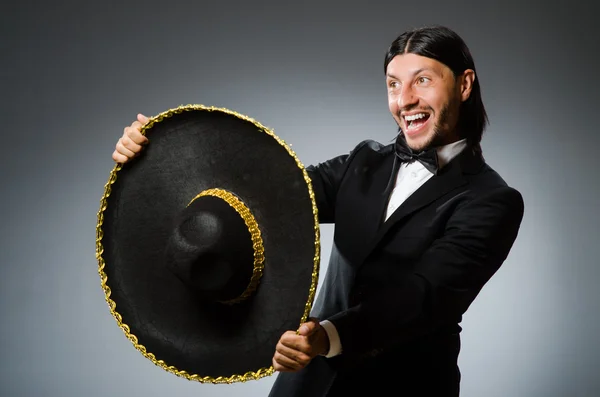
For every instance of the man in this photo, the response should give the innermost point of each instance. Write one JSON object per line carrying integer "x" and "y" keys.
{"x": 421, "y": 225}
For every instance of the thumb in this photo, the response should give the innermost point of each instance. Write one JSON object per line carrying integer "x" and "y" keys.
{"x": 142, "y": 119}
{"x": 308, "y": 328}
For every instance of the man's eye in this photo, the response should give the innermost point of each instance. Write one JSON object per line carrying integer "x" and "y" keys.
{"x": 422, "y": 80}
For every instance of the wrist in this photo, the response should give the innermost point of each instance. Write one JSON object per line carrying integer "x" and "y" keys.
{"x": 324, "y": 342}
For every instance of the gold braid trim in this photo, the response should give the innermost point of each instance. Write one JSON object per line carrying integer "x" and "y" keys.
{"x": 257, "y": 243}
{"x": 251, "y": 375}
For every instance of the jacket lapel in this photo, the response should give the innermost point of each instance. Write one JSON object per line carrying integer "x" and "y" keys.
{"x": 383, "y": 182}
{"x": 449, "y": 178}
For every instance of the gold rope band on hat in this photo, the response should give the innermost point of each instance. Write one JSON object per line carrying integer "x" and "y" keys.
{"x": 250, "y": 375}
{"x": 257, "y": 243}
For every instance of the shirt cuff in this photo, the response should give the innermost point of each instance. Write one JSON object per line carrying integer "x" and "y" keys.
{"x": 335, "y": 345}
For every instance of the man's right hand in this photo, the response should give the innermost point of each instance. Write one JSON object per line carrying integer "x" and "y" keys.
{"x": 132, "y": 141}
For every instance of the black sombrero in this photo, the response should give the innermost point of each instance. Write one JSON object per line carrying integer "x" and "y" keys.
{"x": 208, "y": 244}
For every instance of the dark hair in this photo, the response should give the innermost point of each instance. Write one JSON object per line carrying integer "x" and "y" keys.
{"x": 446, "y": 46}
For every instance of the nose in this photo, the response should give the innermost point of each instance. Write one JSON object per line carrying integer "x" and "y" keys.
{"x": 407, "y": 97}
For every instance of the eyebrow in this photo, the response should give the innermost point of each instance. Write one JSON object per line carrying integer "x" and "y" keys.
{"x": 416, "y": 72}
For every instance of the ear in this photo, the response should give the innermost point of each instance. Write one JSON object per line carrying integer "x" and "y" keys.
{"x": 467, "y": 79}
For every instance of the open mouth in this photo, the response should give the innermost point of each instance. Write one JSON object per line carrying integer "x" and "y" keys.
{"x": 414, "y": 122}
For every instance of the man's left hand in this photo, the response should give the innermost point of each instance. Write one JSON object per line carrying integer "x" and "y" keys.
{"x": 296, "y": 349}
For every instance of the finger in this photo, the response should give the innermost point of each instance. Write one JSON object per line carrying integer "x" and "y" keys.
{"x": 286, "y": 363}
{"x": 295, "y": 342}
{"x": 130, "y": 144}
{"x": 133, "y": 133}
{"x": 119, "y": 158}
{"x": 123, "y": 150}
{"x": 293, "y": 354}
{"x": 277, "y": 366}
{"x": 142, "y": 119}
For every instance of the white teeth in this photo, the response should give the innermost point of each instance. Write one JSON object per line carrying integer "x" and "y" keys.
{"x": 412, "y": 126}
{"x": 415, "y": 117}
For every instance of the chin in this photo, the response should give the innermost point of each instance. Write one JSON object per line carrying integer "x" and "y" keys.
{"x": 420, "y": 142}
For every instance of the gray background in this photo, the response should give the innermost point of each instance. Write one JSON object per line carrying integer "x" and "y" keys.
{"x": 74, "y": 74}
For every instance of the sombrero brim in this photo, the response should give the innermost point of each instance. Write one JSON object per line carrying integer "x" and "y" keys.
{"x": 193, "y": 148}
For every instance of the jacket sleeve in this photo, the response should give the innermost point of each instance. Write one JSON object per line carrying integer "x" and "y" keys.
{"x": 326, "y": 178}
{"x": 445, "y": 281}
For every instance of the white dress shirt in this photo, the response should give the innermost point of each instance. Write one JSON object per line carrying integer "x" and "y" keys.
{"x": 411, "y": 176}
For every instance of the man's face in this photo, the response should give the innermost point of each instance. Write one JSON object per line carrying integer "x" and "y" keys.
{"x": 424, "y": 98}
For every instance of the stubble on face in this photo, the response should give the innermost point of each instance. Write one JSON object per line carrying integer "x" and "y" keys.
{"x": 442, "y": 132}
{"x": 417, "y": 84}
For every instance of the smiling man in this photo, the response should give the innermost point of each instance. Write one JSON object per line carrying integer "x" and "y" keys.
{"x": 424, "y": 99}
{"x": 421, "y": 226}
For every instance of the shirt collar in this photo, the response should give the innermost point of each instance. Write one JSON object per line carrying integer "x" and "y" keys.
{"x": 448, "y": 152}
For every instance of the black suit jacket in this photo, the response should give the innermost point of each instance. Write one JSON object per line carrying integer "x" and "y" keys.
{"x": 396, "y": 290}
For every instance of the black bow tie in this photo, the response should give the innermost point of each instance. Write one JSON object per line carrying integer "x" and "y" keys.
{"x": 428, "y": 157}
